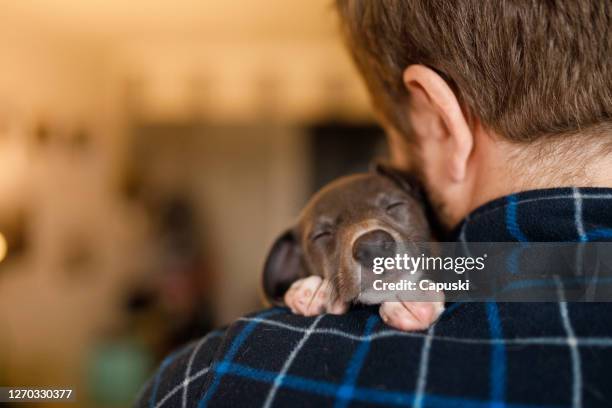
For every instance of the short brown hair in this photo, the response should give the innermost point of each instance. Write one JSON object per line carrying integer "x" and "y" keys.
{"x": 525, "y": 68}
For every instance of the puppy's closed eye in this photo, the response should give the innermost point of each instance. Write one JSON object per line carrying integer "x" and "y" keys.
{"x": 394, "y": 205}
{"x": 318, "y": 235}
{"x": 397, "y": 210}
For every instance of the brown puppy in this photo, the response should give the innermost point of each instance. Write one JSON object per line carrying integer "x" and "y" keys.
{"x": 315, "y": 266}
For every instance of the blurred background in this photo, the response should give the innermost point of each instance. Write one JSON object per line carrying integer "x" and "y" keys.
{"x": 150, "y": 152}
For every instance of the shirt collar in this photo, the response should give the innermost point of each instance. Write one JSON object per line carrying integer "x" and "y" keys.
{"x": 547, "y": 215}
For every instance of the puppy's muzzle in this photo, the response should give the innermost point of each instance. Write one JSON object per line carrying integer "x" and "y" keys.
{"x": 373, "y": 244}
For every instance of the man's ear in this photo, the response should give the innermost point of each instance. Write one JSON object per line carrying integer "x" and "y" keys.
{"x": 283, "y": 266}
{"x": 437, "y": 106}
{"x": 405, "y": 180}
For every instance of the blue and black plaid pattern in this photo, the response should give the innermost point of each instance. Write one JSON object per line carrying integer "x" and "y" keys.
{"x": 477, "y": 355}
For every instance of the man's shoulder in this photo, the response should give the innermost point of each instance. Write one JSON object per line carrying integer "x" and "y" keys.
{"x": 181, "y": 372}
{"x": 318, "y": 356}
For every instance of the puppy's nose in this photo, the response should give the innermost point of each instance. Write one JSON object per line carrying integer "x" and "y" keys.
{"x": 373, "y": 244}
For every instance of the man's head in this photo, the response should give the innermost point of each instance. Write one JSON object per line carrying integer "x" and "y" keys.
{"x": 484, "y": 95}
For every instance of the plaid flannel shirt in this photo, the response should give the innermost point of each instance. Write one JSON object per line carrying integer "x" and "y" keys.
{"x": 476, "y": 355}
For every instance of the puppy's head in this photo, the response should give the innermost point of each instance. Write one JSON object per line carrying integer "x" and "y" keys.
{"x": 343, "y": 228}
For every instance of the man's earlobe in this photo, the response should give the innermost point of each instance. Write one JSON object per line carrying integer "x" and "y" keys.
{"x": 434, "y": 101}
{"x": 283, "y": 266}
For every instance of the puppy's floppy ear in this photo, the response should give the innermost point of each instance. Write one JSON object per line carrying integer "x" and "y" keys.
{"x": 283, "y": 266}
{"x": 403, "y": 179}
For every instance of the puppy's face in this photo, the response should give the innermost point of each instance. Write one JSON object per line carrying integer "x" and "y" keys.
{"x": 343, "y": 228}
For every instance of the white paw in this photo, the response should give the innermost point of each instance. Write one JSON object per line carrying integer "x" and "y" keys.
{"x": 312, "y": 296}
{"x": 411, "y": 316}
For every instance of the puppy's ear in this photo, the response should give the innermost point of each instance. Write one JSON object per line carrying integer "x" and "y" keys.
{"x": 403, "y": 179}
{"x": 283, "y": 266}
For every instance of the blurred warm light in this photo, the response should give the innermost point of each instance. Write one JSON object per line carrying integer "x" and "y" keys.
{"x": 3, "y": 247}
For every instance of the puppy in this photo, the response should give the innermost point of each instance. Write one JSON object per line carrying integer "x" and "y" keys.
{"x": 315, "y": 266}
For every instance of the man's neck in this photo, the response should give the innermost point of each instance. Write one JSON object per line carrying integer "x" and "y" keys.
{"x": 506, "y": 168}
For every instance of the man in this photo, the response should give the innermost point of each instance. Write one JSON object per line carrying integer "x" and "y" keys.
{"x": 505, "y": 110}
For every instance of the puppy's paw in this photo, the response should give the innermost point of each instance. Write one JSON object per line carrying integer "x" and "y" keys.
{"x": 410, "y": 316}
{"x": 307, "y": 296}
{"x": 312, "y": 296}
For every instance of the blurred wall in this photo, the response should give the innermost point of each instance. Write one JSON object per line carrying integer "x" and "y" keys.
{"x": 80, "y": 83}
